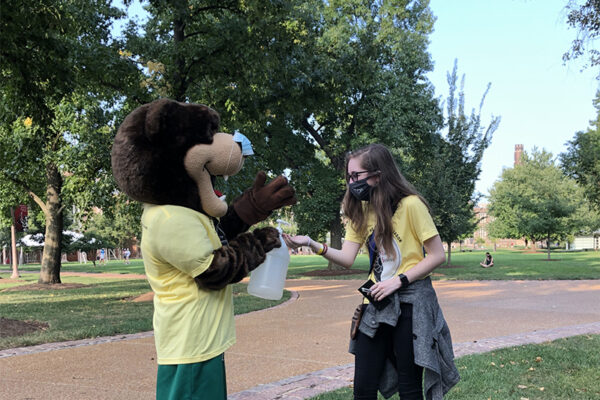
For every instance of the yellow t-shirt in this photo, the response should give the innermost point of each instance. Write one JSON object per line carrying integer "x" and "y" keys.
{"x": 413, "y": 225}
{"x": 190, "y": 325}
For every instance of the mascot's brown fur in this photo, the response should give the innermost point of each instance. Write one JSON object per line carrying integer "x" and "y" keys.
{"x": 166, "y": 153}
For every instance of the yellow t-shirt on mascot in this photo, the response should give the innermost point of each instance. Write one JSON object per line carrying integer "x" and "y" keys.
{"x": 413, "y": 225}
{"x": 190, "y": 325}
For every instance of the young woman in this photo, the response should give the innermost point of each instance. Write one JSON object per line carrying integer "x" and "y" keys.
{"x": 488, "y": 261}
{"x": 402, "y": 335}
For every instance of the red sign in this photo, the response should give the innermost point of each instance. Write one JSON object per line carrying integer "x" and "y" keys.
{"x": 21, "y": 218}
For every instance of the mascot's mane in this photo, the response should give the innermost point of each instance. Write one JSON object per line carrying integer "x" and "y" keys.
{"x": 150, "y": 147}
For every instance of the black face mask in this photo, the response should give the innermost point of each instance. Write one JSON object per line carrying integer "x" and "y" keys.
{"x": 360, "y": 189}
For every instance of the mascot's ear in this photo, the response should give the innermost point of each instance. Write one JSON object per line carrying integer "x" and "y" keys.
{"x": 188, "y": 120}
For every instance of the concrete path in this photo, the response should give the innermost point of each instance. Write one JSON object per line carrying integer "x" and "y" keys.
{"x": 299, "y": 349}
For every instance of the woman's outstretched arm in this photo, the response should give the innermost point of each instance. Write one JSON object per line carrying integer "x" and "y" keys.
{"x": 344, "y": 257}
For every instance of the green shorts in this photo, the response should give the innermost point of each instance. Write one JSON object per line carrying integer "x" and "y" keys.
{"x": 198, "y": 381}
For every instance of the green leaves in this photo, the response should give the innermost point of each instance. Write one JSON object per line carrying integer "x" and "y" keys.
{"x": 535, "y": 200}
{"x": 581, "y": 161}
{"x": 450, "y": 176}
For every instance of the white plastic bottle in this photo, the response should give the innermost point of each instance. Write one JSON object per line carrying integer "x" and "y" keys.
{"x": 268, "y": 279}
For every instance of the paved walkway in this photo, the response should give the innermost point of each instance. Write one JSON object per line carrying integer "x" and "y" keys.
{"x": 299, "y": 349}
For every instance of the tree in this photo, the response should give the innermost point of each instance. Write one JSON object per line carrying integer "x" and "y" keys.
{"x": 366, "y": 83}
{"x": 119, "y": 224}
{"x": 60, "y": 70}
{"x": 586, "y": 18}
{"x": 581, "y": 161}
{"x": 535, "y": 200}
{"x": 457, "y": 165}
{"x": 309, "y": 81}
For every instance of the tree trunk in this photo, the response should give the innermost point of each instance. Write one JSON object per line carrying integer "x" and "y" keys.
{"x": 548, "y": 245}
{"x": 449, "y": 259}
{"x": 179, "y": 75}
{"x": 13, "y": 248}
{"x": 50, "y": 271}
{"x": 336, "y": 230}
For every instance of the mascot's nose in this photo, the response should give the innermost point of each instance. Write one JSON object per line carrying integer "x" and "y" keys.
{"x": 244, "y": 143}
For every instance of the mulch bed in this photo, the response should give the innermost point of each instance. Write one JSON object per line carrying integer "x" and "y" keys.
{"x": 141, "y": 298}
{"x": 13, "y": 327}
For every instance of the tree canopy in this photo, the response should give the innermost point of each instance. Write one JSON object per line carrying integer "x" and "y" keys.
{"x": 306, "y": 80}
{"x": 581, "y": 161}
{"x": 537, "y": 201}
{"x": 63, "y": 81}
{"x": 585, "y": 17}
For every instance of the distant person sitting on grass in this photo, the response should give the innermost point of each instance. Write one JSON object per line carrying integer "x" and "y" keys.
{"x": 488, "y": 262}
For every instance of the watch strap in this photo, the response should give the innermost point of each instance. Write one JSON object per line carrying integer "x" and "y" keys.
{"x": 404, "y": 280}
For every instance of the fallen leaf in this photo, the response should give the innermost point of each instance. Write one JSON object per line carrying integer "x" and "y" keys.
{"x": 538, "y": 359}
{"x": 522, "y": 386}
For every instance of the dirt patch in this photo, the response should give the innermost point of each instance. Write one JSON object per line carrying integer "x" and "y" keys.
{"x": 13, "y": 327}
{"x": 43, "y": 286}
{"x": 327, "y": 272}
{"x": 141, "y": 298}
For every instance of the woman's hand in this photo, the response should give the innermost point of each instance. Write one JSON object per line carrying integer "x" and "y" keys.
{"x": 382, "y": 289}
{"x": 293, "y": 242}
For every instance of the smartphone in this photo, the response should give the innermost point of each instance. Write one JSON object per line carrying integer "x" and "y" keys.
{"x": 365, "y": 290}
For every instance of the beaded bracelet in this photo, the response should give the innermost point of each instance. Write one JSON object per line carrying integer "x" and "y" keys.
{"x": 324, "y": 250}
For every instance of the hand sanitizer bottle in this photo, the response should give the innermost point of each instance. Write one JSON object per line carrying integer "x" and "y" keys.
{"x": 268, "y": 279}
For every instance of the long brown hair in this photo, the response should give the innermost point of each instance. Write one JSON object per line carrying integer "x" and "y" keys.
{"x": 385, "y": 196}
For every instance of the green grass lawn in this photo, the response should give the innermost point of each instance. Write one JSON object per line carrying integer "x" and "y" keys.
{"x": 563, "y": 369}
{"x": 508, "y": 265}
{"x": 102, "y": 308}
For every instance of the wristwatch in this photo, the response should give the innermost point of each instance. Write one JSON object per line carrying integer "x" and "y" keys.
{"x": 403, "y": 280}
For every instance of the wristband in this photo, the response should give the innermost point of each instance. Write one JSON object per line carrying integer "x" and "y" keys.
{"x": 403, "y": 280}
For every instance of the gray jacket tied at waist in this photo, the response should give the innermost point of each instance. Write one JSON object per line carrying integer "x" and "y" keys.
{"x": 432, "y": 342}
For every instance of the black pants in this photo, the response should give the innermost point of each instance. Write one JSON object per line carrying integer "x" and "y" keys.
{"x": 395, "y": 343}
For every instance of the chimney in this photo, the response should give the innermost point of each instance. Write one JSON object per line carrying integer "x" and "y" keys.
{"x": 518, "y": 154}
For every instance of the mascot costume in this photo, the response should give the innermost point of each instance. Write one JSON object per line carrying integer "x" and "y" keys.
{"x": 166, "y": 155}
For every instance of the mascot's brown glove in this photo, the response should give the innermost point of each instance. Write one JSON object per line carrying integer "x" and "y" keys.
{"x": 256, "y": 203}
{"x": 233, "y": 262}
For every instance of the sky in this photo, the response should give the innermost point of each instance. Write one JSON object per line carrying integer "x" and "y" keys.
{"x": 517, "y": 46}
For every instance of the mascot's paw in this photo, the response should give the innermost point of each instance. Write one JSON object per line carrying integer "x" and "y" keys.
{"x": 269, "y": 237}
{"x": 256, "y": 203}
{"x": 234, "y": 261}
